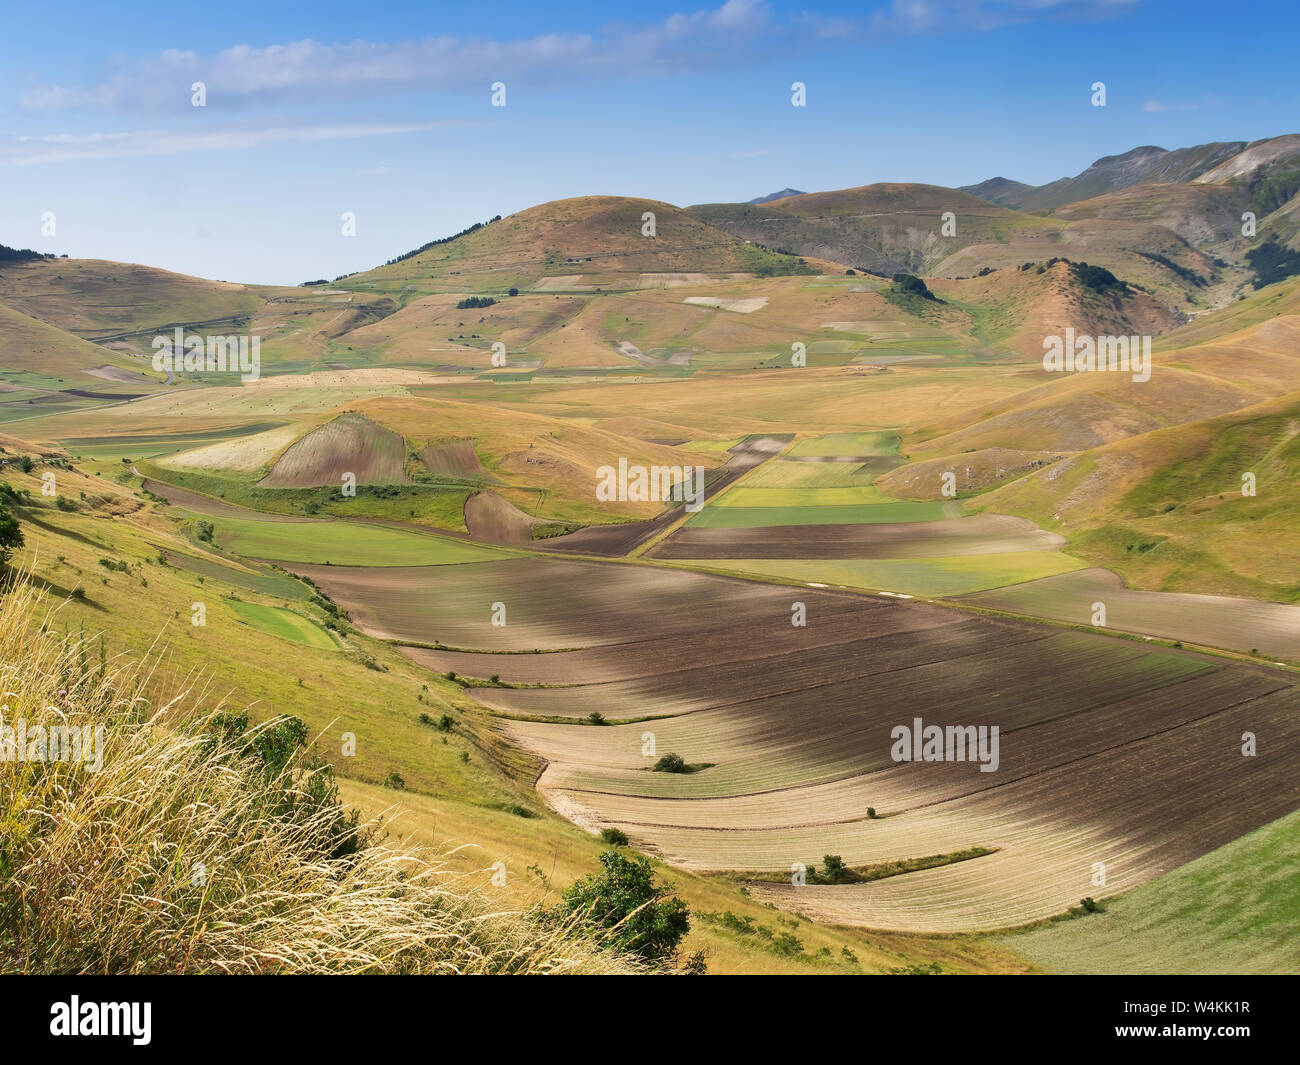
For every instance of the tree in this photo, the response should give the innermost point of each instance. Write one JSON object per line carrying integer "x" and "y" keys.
{"x": 10, "y": 535}
{"x": 835, "y": 868}
{"x": 627, "y": 909}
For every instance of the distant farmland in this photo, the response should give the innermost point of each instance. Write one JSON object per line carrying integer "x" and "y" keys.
{"x": 1209, "y": 620}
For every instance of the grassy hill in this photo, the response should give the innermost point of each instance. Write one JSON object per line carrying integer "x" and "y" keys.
{"x": 35, "y": 353}
{"x": 885, "y": 229}
{"x": 94, "y": 298}
{"x": 1166, "y": 508}
{"x": 575, "y": 245}
{"x": 1139, "y": 166}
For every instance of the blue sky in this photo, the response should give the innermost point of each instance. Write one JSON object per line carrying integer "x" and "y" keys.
{"x": 384, "y": 110}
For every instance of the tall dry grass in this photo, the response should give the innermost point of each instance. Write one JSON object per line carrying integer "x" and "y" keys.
{"x": 179, "y": 856}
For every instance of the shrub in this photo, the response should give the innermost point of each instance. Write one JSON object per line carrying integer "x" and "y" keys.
{"x": 671, "y": 763}
{"x": 911, "y": 285}
{"x": 614, "y": 836}
{"x": 625, "y": 910}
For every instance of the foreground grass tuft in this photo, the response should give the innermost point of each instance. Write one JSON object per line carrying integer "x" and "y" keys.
{"x": 203, "y": 846}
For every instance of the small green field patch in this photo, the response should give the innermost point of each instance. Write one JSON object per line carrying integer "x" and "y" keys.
{"x": 955, "y": 575}
{"x": 344, "y": 543}
{"x": 733, "y": 517}
{"x": 745, "y": 495}
{"x": 279, "y": 621}
{"x": 875, "y": 442}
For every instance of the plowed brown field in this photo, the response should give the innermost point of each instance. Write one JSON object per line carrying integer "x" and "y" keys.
{"x": 348, "y": 444}
{"x": 1118, "y": 761}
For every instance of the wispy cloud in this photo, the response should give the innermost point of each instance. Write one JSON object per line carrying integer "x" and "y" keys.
{"x": 71, "y": 146}
{"x": 912, "y": 17}
{"x": 740, "y": 31}
{"x": 1157, "y": 106}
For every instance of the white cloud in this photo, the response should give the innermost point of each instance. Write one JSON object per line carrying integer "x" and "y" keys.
{"x": 740, "y": 31}
{"x": 68, "y": 146}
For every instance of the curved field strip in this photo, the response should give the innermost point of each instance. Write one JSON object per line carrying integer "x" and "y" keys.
{"x": 246, "y": 453}
{"x": 278, "y": 621}
{"x": 755, "y": 641}
{"x": 684, "y": 691}
{"x": 956, "y": 575}
{"x": 550, "y": 604}
{"x": 344, "y": 543}
{"x": 734, "y": 517}
{"x": 150, "y": 445}
{"x": 979, "y": 534}
{"x": 843, "y": 728}
{"x": 215, "y": 508}
{"x": 1209, "y": 620}
{"x": 350, "y": 444}
{"x": 261, "y": 580}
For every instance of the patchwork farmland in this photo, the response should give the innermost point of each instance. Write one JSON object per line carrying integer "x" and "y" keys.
{"x": 1137, "y": 767}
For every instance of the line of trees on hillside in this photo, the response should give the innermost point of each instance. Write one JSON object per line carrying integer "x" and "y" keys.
{"x": 18, "y": 255}
{"x": 444, "y": 240}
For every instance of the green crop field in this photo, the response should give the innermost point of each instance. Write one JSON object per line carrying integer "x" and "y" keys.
{"x": 732, "y": 517}
{"x": 869, "y": 443}
{"x": 922, "y": 576}
{"x": 278, "y": 621}
{"x": 344, "y": 543}
{"x": 745, "y": 495}
{"x": 264, "y": 582}
{"x": 143, "y": 446}
{"x": 780, "y": 473}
